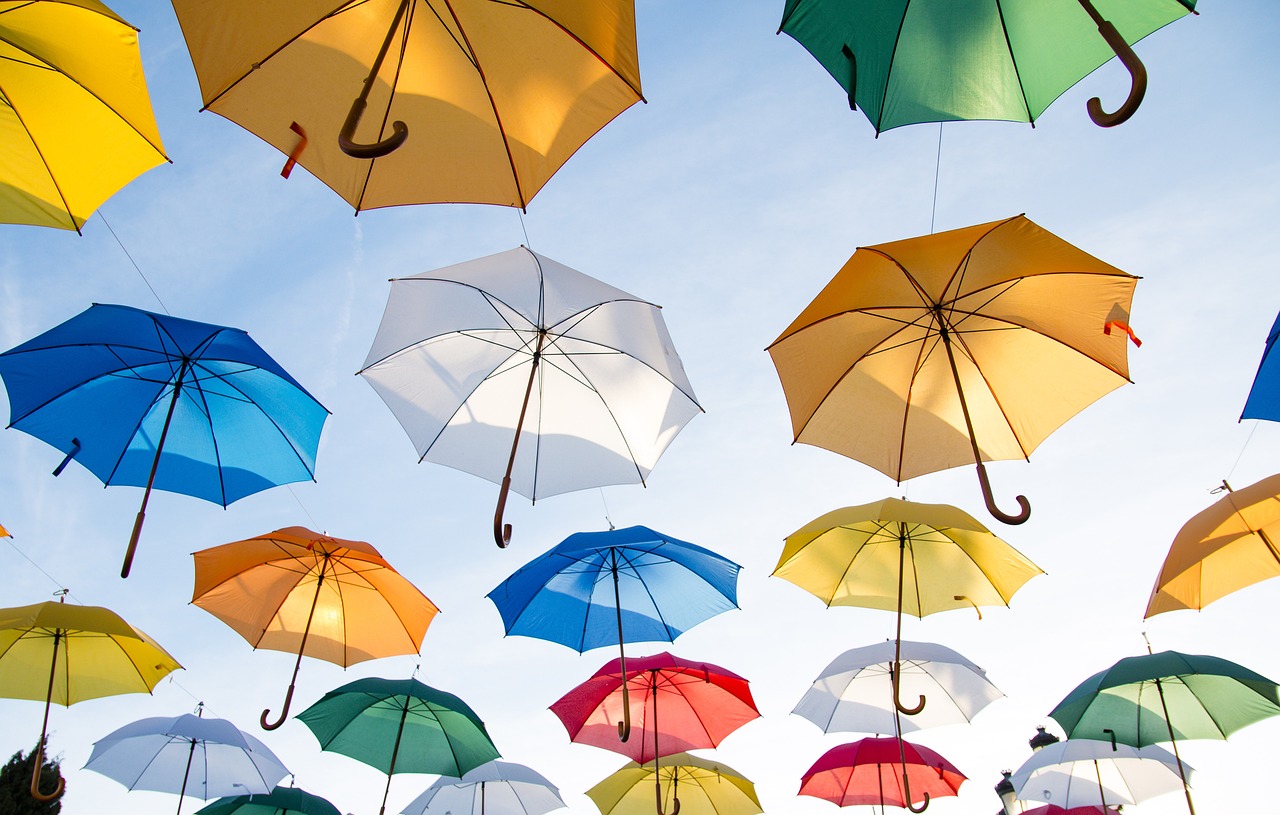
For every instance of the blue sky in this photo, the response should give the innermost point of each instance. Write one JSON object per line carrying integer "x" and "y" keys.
{"x": 729, "y": 199}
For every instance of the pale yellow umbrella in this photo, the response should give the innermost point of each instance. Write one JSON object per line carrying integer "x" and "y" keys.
{"x": 1232, "y": 544}
{"x": 685, "y": 783}
{"x": 76, "y": 124}
{"x": 298, "y": 591}
{"x": 463, "y": 101}
{"x": 904, "y": 557}
{"x": 955, "y": 348}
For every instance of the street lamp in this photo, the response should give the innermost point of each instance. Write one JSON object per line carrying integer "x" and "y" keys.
{"x": 1041, "y": 739}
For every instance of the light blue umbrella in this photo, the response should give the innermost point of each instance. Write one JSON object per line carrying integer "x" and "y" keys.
{"x": 187, "y": 755}
{"x": 625, "y": 585}
{"x": 149, "y": 400}
{"x": 1264, "y": 397}
{"x": 496, "y": 787}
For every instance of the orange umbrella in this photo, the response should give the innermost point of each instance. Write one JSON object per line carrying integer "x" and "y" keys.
{"x": 297, "y": 591}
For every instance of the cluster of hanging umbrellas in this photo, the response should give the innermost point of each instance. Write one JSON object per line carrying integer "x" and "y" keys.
{"x": 954, "y": 348}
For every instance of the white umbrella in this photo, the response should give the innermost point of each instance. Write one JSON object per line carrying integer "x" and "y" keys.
{"x": 496, "y": 788}
{"x": 854, "y": 694}
{"x": 1085, "y": 772}
{"x": 516, "y": 361}
{"x": 187, "y": 755}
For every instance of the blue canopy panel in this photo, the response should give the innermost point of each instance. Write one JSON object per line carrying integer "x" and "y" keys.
{"x": 1264, "y": 396}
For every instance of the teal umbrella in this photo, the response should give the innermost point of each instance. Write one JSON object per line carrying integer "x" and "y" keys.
{"x": 911, "y": 61}
{"x": 400, "y": 725}
{"x": 280, "y": 801}
{"x": 1165, "y": 697}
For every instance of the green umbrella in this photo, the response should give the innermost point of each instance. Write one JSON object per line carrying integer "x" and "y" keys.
{"x": 911, "y": 61}
{"x": 400, "y": 725}
{"x": 1165, "y": 697}
{"x": 280, "y": 801}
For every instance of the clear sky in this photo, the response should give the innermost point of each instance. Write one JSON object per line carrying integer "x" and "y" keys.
{"x": 729, "y": 199}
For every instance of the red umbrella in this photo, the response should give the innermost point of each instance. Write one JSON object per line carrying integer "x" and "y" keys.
{"x": 884, "y": 771}
{"x": 676, "y": 705}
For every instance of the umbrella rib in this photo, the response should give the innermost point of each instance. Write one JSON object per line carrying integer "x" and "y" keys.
{"x": 888, "y": 74}
{"x": 579, "y": 41}
{"x": 1022, "y": 89}
{"x": 626, "y": 554}
{"x": 957, "y": 275}
{"x": 409, "y": 6}
{"x": 66, "y": 207}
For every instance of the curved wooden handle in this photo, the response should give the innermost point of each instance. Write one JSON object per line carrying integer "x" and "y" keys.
{"x": 1137, "y": 71}
{"x": 624, "y": 726}
{"x": 897, "y": 699}
{"x": 501, "y": 531}
{"x": 284, "y": 714}
{"x": 1004, "y": 517}
{"x": 379, "y": 149}
{"x": 35, "y": 778}
{"x": 906, "y": 789}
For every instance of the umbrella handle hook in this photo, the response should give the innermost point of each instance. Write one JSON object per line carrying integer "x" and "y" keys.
{"x": 400, "y": 129}
{"x": 906, "y": 789}
{"x": 897, "y": 698}
{"x": 1004, "y": 517}
{"x": 284, "y": 714}
{"x": 675, "y": 809}
{"x": 35, "y": 778}
{"x": 1130, "y": 60}
{"x": 624, "y": 726}
{"x": 501, "y": 531}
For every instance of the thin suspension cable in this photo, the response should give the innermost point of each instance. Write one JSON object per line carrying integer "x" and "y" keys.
{"x": 103, "y": 216}
{"x": 937, "y": 171}
{"x": 607, "y": 519}
{"x": 524, "y": 228}
{"x": 303, "y": 507}
{"x": 1232, "y": 471}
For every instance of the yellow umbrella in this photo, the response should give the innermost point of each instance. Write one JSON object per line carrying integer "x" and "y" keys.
{"x": 903, "y": 556}
{"x": 694, "y": 786}
{"x": 67, "y": 654}
{"x": 965, "y": 346}
{"x": 1228, "y": 546}
{"x": 297, "y": 591}
{"x": 76, "y": 124}
{"x": 464, "y": 101}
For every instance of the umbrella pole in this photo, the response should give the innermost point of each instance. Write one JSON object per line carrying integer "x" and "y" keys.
{"x": 399, "y": 128}
{"x": 1023, "y": 503}
{"x": 906, "y": 782}
{"x": 897, "y": 637}
{"x": 657, "y": 777}
{"x": 1102, "y": 794}
{"x": 395, "y": 751}
{"x": 1137, "y": 72}
{"x": 481, "y": 798}
{"x": 502, "y": 532}
{"x": 1186, "y": 789}
{"x": 58, "y": 635}
{"x": 155, "y": 464}
{"x": 288, "y": 697}
{"x": 624, "y": 726}
{"x": 185, "y": 775}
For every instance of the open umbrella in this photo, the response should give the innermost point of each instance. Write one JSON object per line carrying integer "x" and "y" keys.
{"x": 903, "y": 556}
{"x": 685, "y": 784}
{"x": 881, "y": 771}
{"x": 854, "y": 693}
{"x": 1263, "y": 401}
{"x": 1230, "y": 545}
{"x": 932, "y": 61}
{"x": 1081, "y": 772}
{"x": 297, "y": 591}
{"x": 400, "y": 725}
{"x": 499, "y": 786}
{"x": 652, "y": 586}
{"x": 1164, "y": 697}
{"x": 77, "y": 119}
{"x": 680, "y": 705}
{"x": 209, "y": 757}
{"x": 149, "y": 400}
{"x": 85, "y": 651}
{"x": 517, "y": 360}
{"x": 280, "y": 801}
{"x": 464, "y": 101}
{"x": 959, "y": 347}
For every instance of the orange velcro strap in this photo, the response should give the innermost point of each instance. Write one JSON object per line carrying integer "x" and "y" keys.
{"x": 297, "y": 151}
{"x": 1106, "y": 329}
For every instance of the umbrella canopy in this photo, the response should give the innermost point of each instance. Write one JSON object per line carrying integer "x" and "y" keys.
{"x": 959, "y": 347}
{"x": 497, "y": 787}
{"x": 77, "y": 119}
{"x": 149, "y": 400}
{"x": 67, "y": 653}
{"x": 1230, "y": 545}
{"x": 929, "y": 61}
{"x": 484, "y": 100}
{"x": 855, "y": 692}
{"x": 697, "y": 786}
{"x": 904, "y": 557}
{"x": 1052, "y": 809}
{"x": 883, "y": 772}
{"x": 298, "y": 591}
{"x": 1084, "y": 772}
{"x": 1263, "y": 401}
{"x": 679, "y": 705}
{"x": 187, "y": 755}
{"x": 516, "y": 361}
{"x": 280, "y": 801}
{"x": 400, "y": 725}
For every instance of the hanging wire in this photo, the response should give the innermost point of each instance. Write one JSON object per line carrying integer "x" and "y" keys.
{"x": 524, "y": 228}
{"x": 937, "y": 171}
{"x": 103, "y": 216}
{"x": 607, "y": 519}
{"x": 1232, "y": 471}
{"x": 303, "y": 507}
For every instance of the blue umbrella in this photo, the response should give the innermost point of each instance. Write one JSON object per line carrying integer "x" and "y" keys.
{"x": 1264, "y": 396}
{"x": 624, "y": 585}
{"x": 145, "y": 399}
